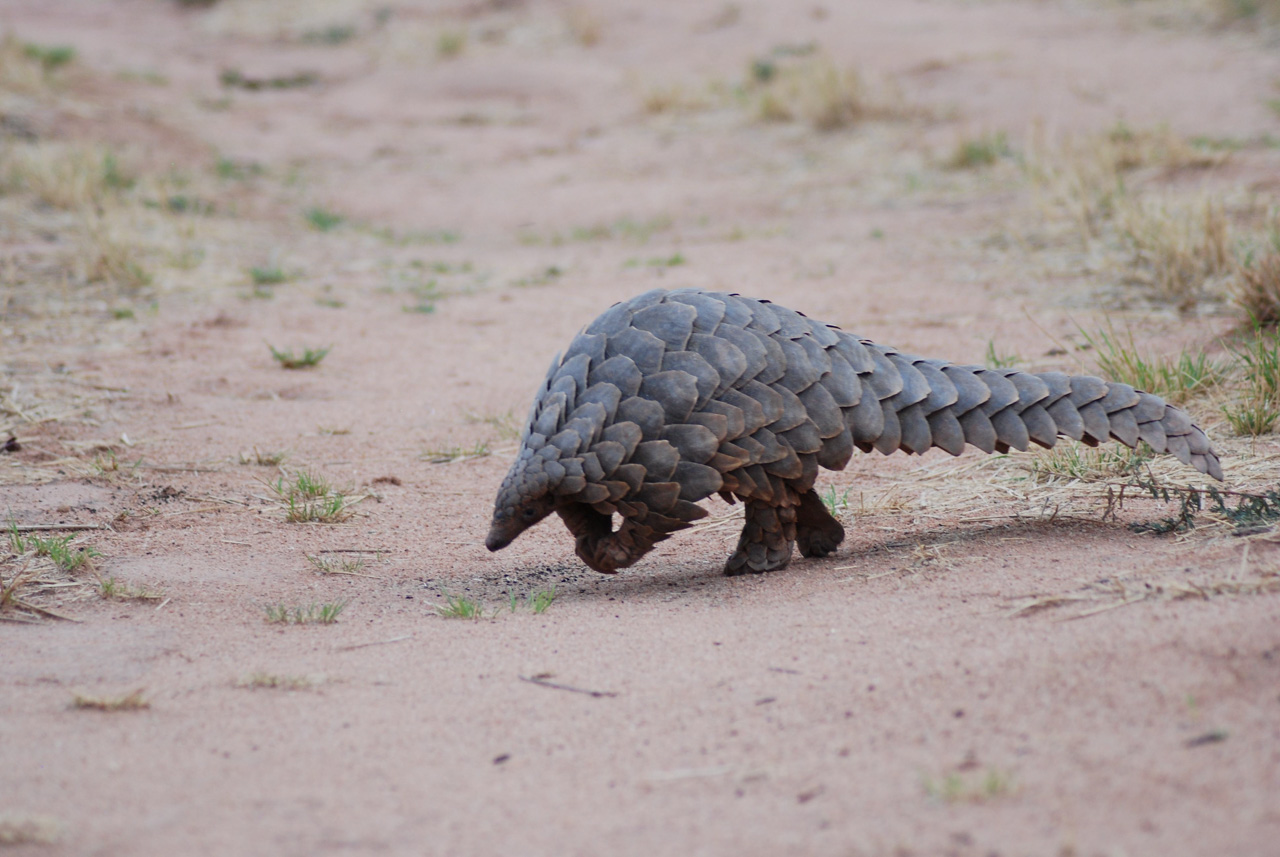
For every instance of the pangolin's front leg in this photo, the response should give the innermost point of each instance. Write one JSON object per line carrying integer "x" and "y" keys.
{"x": 599, "y": 546}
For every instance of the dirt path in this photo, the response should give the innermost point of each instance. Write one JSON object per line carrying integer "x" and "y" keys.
{"x": 442, "y": 197}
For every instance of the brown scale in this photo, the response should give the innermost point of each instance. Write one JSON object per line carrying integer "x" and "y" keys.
{"x": 671, "y": 397}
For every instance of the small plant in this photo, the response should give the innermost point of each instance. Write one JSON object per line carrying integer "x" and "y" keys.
{"x": 235, "y": 79}
{"x": 1257, "y": 286}
{"x": 334, "y": 34}
{"x": 1250, "y": 510}
{"x": 979, "y": 152}
{"x": 1178, "y": 250}
{"x": 541, "y": 600}
{"x": 271, "y": 275}
{"x": 308, "y": 498}
{"x": 264, "y": 680}
{"x": 50, "y": 57}
{"x": 232, "y": 170}
{"x": 835, "y": 503}
{"x": 322, "y": 219}
{"x": 671, "y": 261}
{"x": 1252, "y": 418}
{"x": 336, "y": 565}
{"x": 116, "y": 590}
{"x": 129, "y": 702}
{"x": 309, "y": 358}
{"x": 450, "y": 454}
{"x": 460, "y": 607}
{"x": 451, "y": 43}
{"x": 506, "y": 424}
{"x": 58, "y": 550}
{"x": 1259, "y": 358}
{"x": 547, "y": 275}
{"x": 956, "y": 787}
{"x": 584, "y": 26}
{"x": 312, "y": 614}
{"x": 267, "y": 459}
{"x": 1000, "y": 361}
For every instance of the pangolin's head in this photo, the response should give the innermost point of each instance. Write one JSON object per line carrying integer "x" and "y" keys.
{"x": 525, "y": 498}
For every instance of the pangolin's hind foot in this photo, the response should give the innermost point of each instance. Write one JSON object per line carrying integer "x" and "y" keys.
{"x": 768, "y": 537}
{"x": 818, "y": 534}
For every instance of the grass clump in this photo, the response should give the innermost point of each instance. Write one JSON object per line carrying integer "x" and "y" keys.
{"x": 1258, "y": 410}
{"x": 1176, "y": 379}
{"x": 133, "y": 701}
{"x": 334, "y": 34}
{"x": 449, "y": 455}
{"x": 1075, "y": 461}
{"x": 1179, "y": 251}
{"x": 451, "y": 44}
{"x": 799, "y": 85}
{"x": 1000, "y": 361}
{"x": 264, "y": 459}
{"x": 115, "y": 590}
{"x": 537, "y": 602}
{"x": 58, "y": 550}
{"x": 233, "y": 78}
{"x": 271, "y": 275}
{"x": 956, "y": 787}
{"x": 1256, "y": 289}
{"x": 270, "y": 681}
{"x": 311, "y": 614}
{"x": 673, "y": 261}
{"x": 323, "y": 220}
{"x": 49, "y": 57}
{"x": 20, "y": 828}
{"x": 977, "y": 152}
{"x": 309, "y": 498}
{"x": 460, "y": 607}
{"x": 309, "y": 358}
{"x": 337, "y": 565}
{"x": 835, "y": 502}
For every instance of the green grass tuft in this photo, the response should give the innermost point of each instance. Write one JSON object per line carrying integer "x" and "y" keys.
{"x": 311, "y": 614}
{"x": 1178, "y": 379}
{"x": 267, "y": 276}
{"x": 979, "y": 152}
{"x": 309, "y": 358}
{"x": 50, "y": 57}
{"x": 322, "y": 219}
{"x": 460, "y": 607}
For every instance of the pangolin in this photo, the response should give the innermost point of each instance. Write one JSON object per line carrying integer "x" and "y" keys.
{"x": 673, "y": 396}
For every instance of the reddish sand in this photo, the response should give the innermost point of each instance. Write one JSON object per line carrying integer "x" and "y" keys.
{"x": 882, "y": 701}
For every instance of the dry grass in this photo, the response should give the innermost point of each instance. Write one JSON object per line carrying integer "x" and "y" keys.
{"x": 1083, "y": 179}
{"x": 1181, "y": 251}
{"x": 132, "y": 701}
{"x": 827, "y": 96}
{"x": 20, "y": 828}
{"x": 673, "y": 98}
{"x": 1256, "y": 287}
{"x": 1125, "y": 199}
{"x": 28, "y": 69}
{"x": 584, "y": 26}
{"x": 271, "y": 681}
{"x": 1138, "y": 587}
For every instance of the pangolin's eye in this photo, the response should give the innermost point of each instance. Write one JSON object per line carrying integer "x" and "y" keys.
{"x": 528, "y": 513}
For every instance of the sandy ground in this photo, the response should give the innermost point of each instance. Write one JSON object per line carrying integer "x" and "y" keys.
{"x": 884, "y": 701}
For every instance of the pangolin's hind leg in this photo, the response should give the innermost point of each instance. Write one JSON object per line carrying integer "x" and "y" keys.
{"x": 768, "y": 537}
{"x": 817, "y": 532}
